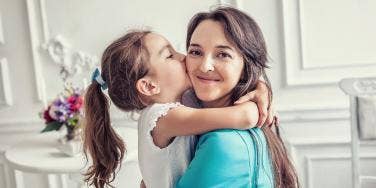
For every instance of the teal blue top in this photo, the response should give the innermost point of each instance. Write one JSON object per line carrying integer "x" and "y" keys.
{"x": 230, "y": 158}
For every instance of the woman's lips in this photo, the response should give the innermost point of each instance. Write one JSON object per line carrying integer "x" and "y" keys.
{"x": 207, "y": 80}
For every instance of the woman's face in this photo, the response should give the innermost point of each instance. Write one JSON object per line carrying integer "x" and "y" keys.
{"x": 167, "y": 67}
{"x": 214, "y": 64}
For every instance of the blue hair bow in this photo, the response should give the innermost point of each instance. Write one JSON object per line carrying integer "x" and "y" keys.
{"x": 96, "y": 76}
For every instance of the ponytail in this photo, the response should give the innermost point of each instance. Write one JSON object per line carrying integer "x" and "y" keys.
{"x": 101, "y": 142}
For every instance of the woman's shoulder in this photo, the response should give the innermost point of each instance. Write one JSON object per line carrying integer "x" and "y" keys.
{"x": 225, "y": 141}
{"x": 229, "y": 140}
{"x": 224, "y": 134}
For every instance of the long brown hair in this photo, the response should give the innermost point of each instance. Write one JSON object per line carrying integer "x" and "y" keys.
{"x": 123, "y": 63}
{"x": 246, "y": 35}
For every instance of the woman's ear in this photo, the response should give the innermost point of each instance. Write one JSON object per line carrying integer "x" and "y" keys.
{"x": 147, "y": 86}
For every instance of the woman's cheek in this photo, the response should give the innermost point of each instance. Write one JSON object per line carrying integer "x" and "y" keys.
{"x": 191, "y": 63}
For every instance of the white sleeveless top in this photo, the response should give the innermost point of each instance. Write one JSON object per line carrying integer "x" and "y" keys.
{"x": 161, "y": 168}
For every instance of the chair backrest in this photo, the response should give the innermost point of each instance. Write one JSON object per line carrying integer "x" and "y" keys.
{"x": 362, "y": 92}
{"x": 358, "y": 86}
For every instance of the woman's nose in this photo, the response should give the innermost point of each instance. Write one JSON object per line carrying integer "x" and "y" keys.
{"x": 207, "y": 65}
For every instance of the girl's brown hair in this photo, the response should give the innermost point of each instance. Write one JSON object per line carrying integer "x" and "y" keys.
{"x": 123, "y": 63}
{"x": 246, "y": 35}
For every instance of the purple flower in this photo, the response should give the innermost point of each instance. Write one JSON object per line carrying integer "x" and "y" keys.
{"x": 60, "y": 110}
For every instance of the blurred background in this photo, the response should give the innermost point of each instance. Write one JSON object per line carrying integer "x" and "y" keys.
{"x": 312, "y": 46}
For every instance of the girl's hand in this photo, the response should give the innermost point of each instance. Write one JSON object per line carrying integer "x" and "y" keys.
{"x": 249, "y": 114}
{"x": 142, "y": 184}
{"x": 260, "y": 96}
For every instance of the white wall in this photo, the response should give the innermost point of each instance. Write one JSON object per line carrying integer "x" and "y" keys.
{"x": 312, "y": 45}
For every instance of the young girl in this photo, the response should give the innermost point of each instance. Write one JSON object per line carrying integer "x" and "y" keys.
{"x": 143, "y": 72}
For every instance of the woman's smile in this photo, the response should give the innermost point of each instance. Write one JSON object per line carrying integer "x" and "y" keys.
{"x": 208, "y": 79}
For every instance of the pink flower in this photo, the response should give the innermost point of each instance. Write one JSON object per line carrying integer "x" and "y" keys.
{"x": 75, "y": 102}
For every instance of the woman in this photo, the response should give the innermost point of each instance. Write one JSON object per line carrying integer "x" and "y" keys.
{"x": 226, "y": 56}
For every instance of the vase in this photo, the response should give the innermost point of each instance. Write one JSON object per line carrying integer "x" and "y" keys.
{"x": 72, "y": 133}
{"x": 71, "y": 143}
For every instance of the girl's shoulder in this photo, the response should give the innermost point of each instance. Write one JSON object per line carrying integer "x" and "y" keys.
{"x": 158, "y": 109}
{"x": 150, "y": 115}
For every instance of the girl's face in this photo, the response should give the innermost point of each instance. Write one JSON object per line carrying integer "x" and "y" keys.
{"x": 213, "y": 63}
{"x": 167, "y": 67}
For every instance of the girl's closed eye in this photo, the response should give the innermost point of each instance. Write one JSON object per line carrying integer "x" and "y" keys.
{"x": 170, "y": 56}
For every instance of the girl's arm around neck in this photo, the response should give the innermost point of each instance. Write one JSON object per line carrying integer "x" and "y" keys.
{"x": 184, "y": 121}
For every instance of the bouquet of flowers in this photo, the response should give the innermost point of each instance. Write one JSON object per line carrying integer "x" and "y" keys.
{"x": 65, "y": 110}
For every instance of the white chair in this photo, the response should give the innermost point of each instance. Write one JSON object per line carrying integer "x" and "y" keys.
{"x": 358, "y": 89}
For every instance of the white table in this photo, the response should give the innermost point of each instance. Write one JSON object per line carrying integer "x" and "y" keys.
{"x": 39, "y": 154}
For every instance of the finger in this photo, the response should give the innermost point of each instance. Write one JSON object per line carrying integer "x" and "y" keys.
{"x": 263, "y": 112}
{"x": 277, "y": 120}
{"x": 273, "y": 123}
{"x": 247, "y": 97}
{"x": 270, "y": 117}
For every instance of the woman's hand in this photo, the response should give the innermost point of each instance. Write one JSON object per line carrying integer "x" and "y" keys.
{"x": 260, "y": 96}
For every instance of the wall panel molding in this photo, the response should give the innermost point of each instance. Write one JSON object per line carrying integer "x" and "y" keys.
{"x": 6, "y": 84}
{"x": 298, "y": 71}
{"x": 6, "y": 99}
{"x": 306, "y": 151}
{"x": 38, "y": 35}
{"x": 310, "y": 159}
{"x": 2, "y": 40}
{"x": 311, "y": 115}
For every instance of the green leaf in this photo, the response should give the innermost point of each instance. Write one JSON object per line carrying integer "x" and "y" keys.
{"x": 52, "y": 126}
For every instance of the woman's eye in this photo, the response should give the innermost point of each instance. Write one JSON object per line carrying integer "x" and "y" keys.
{"x": 194, "y": 52}
{"x": 224, "y": 55}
